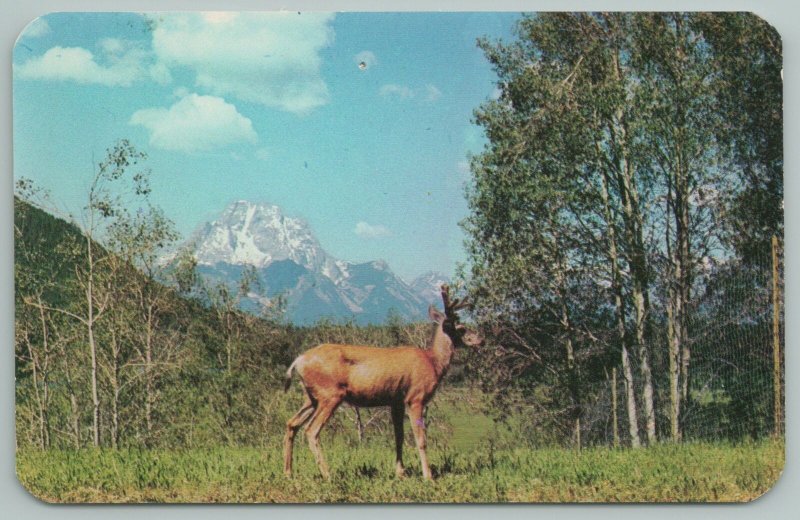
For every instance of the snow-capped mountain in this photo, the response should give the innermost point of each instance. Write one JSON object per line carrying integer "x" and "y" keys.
{"x": 291, "y": 262}
{"x": 259, "y": 234}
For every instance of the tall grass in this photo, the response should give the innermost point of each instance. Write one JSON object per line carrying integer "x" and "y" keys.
{"x": 719, "y": 472}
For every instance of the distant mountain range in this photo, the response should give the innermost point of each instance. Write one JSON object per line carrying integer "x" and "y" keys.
{"x": 290, "y": 262}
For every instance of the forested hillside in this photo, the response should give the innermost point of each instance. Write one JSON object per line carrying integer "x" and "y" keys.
{"x": 212, "y": 372}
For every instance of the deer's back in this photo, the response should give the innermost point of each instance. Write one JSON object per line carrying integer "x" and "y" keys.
{"x": 367, "y": 375}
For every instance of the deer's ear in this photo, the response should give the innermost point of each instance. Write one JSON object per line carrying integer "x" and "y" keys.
{"x": 435, "y": 315}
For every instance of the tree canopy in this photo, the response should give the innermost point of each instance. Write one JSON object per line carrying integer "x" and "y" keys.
{"x": 629, "y": 157}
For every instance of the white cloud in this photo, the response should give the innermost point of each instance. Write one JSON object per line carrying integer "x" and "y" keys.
{"x": 79, "y": 65}
{"x": 112, "y": 46}
{"x": 160, "y": 73}
{"x": 268, "y": 58}
{"x": 367, "y": 58}
{"x": 365, "y": 230}
{"x": 127, "y": 52}
{"x": 432, "y": 93}
{"x": 393, "y": 90}
{"x": 38, "y": 27}
{"x": 119, "y": 63}
{"x": 195, "y": 123}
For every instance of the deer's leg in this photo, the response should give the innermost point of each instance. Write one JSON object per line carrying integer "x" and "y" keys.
{"x": 398, "y": 411}
{"x": 415, "y": 413}
{"x": 292, "y": 426}
{"x": 324, "y": 411}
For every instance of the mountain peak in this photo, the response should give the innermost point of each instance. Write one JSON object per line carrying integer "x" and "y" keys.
{"x": 257, "y": 234}
{"x": 380, "y": 265}
{"x": 291, "y": 262}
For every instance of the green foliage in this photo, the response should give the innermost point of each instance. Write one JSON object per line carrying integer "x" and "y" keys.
{"x": 625, "y": 152}
{"x": 714, "y": 472}
{"x": 44, "y": 252}
{"x": 185, "y": 374}
{"x": 750, "y": 68}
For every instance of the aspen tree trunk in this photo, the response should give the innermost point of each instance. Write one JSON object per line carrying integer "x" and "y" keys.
{"x": 682, "y": 174}
{"x": 673, "y": 333}
{"x": 45, "y": 376}
{"x": 115, "y": 417}
{"x": 148, "y": 375}
{"x": 679, "y": 282}
{"x": 673, "y": 344}
{"x": 636, "y": 256}
{"x": 73, "y": 403}
{"x": 641, "y": 303}
{"x": 572, "y": 369}
{"x": 682, "y": 275}
{"x": 115, "y": 390}
{"x": 619, "y": 307}
{"x": 36, "y": 418}
{"x": 92, "y": 346}
{"x": 614, "y": 406}
{"x": 573, "y": 383}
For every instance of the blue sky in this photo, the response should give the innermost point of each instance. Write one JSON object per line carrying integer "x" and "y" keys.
{"x": 269, "y": 107}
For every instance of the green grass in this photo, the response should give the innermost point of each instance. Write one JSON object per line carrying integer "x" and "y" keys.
{"x": 719, "y": 472}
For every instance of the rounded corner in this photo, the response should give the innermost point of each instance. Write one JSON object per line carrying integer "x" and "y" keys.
{"x": 28, "y": 490}
{"x": 38, "y": 21}
{"x": 773, "y": 483}
{"x": 757, "y": 18}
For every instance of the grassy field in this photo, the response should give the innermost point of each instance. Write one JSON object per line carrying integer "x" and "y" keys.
{"x": 719, "y": 472}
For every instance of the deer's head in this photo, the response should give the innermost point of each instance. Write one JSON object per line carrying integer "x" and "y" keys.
{"x": 459, "y": 334}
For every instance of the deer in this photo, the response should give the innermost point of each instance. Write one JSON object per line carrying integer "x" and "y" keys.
{"x": 403, "y": 378}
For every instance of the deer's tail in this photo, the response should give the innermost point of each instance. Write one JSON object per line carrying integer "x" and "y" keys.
{"x": 287, "y": 382}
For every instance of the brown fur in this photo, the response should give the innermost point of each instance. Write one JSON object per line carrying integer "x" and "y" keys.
{"x": 404, "y": 378}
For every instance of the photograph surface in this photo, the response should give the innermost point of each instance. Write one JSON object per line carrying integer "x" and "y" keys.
{"x": 398, "y": 257}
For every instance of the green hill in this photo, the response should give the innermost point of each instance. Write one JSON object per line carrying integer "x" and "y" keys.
{"x": 172, "y": 369}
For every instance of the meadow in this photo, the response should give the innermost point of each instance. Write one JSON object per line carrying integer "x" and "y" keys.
{"x": 364, "y": 472}
{"x": 473, "y": 458}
